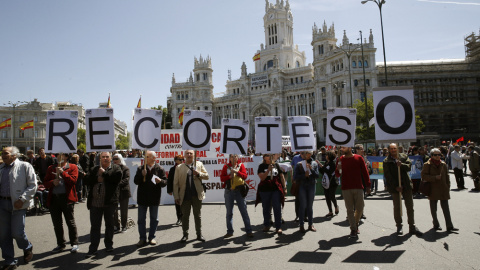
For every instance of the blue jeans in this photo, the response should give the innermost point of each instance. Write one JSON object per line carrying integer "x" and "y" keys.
{"x": 270, "y": 198}
{"x": 306, "y": 195}
{"x": 142, "y": 221}
{"x": 12, "y": 226}
{"x": 230, "y": 197}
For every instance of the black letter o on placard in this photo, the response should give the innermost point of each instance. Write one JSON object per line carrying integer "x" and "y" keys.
{"x": 380, "y": 113}
{"x": 185, "y": 133}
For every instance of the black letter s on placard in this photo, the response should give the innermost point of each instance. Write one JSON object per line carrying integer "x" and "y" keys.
{"x": 332, "y": 124}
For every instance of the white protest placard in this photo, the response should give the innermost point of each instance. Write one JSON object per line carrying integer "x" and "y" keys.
{"x": 197, "y": 128}
{"x": 286, "y": 142}
{"x": 147, "y": 129}
{"x": 234, "y": 136}
{"x": 100, "y": 134}
{"x": 301, "y": 133}
{"x": 268, "y": 134}
{"x": 394, "y": 114}
{"x": 61, "y": 130}
{"x": 341, "y": 124}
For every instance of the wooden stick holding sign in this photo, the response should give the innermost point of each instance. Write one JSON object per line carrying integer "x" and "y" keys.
{"x": 400, "y": 185}
{"x": 145, "y": 164}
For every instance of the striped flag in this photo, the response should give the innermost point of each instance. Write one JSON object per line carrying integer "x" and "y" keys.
{"x": 256, "y": 57}
{"x": 109, "y": 105}
{"x": 180, "y": 117}
{"x": 6, "y": 123}
{"x": 27, "y": 125}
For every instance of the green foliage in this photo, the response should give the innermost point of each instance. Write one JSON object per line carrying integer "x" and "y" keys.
{"x": 166, "y": 117}
{"x": 81, "y": 139}
{"x": 361, "y": 131}
{"x": 123, "y": 142}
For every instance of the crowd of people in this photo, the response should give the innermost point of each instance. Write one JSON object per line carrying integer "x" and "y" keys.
{"x": 103, "y": 181}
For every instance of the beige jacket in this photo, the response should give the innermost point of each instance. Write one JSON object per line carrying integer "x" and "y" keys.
{"x": 180, "y": 180}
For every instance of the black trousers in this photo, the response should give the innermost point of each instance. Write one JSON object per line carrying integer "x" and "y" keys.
{"x": 330, "y": 197}
{"x": 96, "y": 214}
{"x": 459, "y": 177}
{"x": 123, "y": 213}
{"x": 59, "y": 206}
{"x": 178, "y": 209}
{"x": 446, "y": 213}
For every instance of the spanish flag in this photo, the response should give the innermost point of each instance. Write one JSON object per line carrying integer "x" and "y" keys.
{"x": 109, "y": 105}
{"x": 6, "y": 123}
{"x": 139, "y": 104}
{"x": 27, "y": 125}
{"x": 256, "y": 57}
{"x": 180, "y": 117}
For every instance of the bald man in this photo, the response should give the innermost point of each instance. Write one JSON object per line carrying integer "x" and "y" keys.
{"x": 150, "y": 182}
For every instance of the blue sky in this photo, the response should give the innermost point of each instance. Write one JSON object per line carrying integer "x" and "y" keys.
{"x": 79, "y": 51}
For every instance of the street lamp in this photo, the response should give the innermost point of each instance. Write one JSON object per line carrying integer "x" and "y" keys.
{"x": 14, "y": 104}
{"x": 380, "y": 4}
{"x": 348, "y": 53}
{"x": 364, "y": 84}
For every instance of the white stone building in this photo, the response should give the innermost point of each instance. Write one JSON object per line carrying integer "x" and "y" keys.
{"x": 283, "y": 83}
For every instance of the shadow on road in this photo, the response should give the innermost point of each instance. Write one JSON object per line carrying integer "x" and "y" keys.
{"x": 371, "y": 256}
{"x": 342, "y": 241}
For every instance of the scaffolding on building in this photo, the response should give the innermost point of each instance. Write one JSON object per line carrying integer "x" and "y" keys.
{"x": 472, "y": 47}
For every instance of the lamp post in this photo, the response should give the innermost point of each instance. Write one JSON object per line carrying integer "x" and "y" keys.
{"x": 364, "y": 84}
{"x": 14, "y": 105}
{"x": 380, "y": 4}
{"x": 348, "y": 53}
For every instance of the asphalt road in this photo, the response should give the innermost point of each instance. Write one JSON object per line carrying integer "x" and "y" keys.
{"x": 378, "y": 247}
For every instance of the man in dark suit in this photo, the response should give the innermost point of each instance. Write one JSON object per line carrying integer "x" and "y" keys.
{"x": 103, "y": 201}
{"x": 42, "y": 163}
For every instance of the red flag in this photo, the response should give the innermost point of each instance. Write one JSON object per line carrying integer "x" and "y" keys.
{"x": 460, "y": 139}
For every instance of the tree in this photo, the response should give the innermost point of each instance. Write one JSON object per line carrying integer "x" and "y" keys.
{"x": 123, "y": 142}
{"x": 361, "y": 131}
{"x": 166, "y": 117}
{"x": 81, "y": 139}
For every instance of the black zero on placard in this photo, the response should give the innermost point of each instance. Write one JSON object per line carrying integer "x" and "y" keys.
{"x": 380, "y": 115}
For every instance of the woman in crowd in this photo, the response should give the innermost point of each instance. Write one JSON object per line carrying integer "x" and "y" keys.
{"x": 435, "y": 171}
{"x": 124, "y": 195}
{"x": 329, "y": 169}
{"x": 271, "y": 191}
{"x": 306, "y": 174}
{"x": 233, "y": 178}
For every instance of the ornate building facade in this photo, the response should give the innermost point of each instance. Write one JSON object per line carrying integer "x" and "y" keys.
{"x": 283, "y": 84}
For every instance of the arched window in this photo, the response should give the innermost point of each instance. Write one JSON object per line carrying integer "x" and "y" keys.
{"x": 297, "y": 64}
{"x": 359, "y": 63}
{"x": 367, "y": 82}
{"x": 354, "y": 64}
{"x": 355, "y": 82}
{"x": 366, "y": 63}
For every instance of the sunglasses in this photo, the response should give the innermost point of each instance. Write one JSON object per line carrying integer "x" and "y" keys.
{"x": 436, "y": 155}
{"x": 116, "y": 159}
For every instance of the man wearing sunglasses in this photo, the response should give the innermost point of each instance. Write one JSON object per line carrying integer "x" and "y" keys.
{"x": 391, "y": 165}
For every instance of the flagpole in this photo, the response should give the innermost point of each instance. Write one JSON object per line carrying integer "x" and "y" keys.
{"x": 34, "y": 136}
{"x": 11, "y": 126}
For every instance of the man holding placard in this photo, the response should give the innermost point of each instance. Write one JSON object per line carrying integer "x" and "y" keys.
{"x": 103, "y": 201}
{"x": 188, "y": 192}
{"x": 395, "y": 165}
{"x": 150, "y": 181}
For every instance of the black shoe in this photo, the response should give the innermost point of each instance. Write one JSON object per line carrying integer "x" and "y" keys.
{"x": 28, "y": 255}
{"x": 109, "y": 249}
{"x": 363, "y": 216}
{"x": 90, "y": 254}
{"x": 179, "y": 222}
{"x": 399, "y": 230}
{"x": 414, "y": 230}
{"x": 184, "y": 239}
{"x": 452, "y": 229}
{"x": 296, "y": 219}
{"x": 437, "y": 228}
{"x": 200, "y": 238}
{"x": 58, "y": 249}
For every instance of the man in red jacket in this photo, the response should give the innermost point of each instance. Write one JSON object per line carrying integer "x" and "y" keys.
{"x": 353, "y": 170}
{"x": 62, "y": 195}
